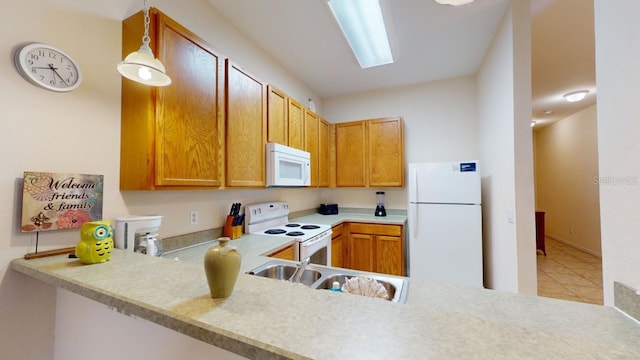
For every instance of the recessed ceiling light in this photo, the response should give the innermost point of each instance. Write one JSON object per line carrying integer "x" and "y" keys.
{"x": 453, "y": 2}
{"x": 362, "y": 24}
{"x": 575, "y": 96}
{"x": 547, "y": 112}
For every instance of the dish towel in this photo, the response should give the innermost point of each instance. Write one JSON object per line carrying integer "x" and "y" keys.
{"x": 362, "y": 285}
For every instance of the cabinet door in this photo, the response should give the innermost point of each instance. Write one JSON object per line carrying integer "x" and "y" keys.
{"x": 361, "y": 252}
{"x": 246, "y": 129}
{"x": 296, "y": 124}
{"x": 324, "y": 165}
{"x": 286, "y": 253}
{"x": 187, "y": 145}
{"x": 311, "y": 137}
{"x": 389, "y": 253}
{"x": 277, "y": 125}
{"x": 338, "y": 246}
{"x": 172, "y": 137}
{"x": 350, "y": 154}
{"x": 385, "y": 155}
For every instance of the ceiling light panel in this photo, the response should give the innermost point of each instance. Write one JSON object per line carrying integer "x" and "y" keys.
{"x": 454, "y": 2}
{"x": 362, "y": 24}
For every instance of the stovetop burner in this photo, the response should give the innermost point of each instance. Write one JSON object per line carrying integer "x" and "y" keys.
{"x": 275, "y": 231}
{"x": 272, "y": 219}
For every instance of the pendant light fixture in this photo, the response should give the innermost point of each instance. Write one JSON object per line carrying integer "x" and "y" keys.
{"x": 142, "y": 66}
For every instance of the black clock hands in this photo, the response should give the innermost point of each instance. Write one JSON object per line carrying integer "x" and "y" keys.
{"x": 56, "y": 73}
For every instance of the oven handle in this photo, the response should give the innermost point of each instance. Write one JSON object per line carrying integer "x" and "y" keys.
{"x": 317, "y": 240}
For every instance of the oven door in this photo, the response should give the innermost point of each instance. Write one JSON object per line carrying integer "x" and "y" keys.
{"x": 317, "y": 248}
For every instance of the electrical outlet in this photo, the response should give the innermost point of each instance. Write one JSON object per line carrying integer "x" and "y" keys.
{"x": 193, "y": 217}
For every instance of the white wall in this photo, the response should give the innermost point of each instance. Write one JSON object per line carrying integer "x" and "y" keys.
{"x": 86, "y": 329}
{"x": 440, "y": 124}
{"x": 504, "y": 107}
{"x": 618, "y": 80}
{"x": 79, "y": 132}
{"x": 439, "y": 117}
{"x": 567, "y": 190}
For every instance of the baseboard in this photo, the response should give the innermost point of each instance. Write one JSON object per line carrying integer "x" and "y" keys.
{"x": 568, "y": 243}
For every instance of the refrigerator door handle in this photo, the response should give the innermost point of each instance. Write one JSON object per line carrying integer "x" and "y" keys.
{"x": 415, "y": 220}
{"x": 415, "y": 198}
{"x": 415, "y": 184}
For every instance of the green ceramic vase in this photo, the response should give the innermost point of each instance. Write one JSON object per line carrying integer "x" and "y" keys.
{"x": 222, "y": 264}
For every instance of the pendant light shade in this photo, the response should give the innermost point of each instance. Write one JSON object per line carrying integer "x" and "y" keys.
{"x": 142, "y": 66}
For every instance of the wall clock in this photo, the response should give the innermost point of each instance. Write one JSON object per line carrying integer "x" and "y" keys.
{"x": 47, "y": 67}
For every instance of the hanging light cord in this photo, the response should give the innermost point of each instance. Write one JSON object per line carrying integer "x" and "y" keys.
{"x": 147, "y": 20}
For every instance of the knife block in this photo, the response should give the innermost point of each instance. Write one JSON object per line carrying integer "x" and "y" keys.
{"x": 230, "y": 231}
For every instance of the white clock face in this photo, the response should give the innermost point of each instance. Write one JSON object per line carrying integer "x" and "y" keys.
{"x": 48, "y": 67}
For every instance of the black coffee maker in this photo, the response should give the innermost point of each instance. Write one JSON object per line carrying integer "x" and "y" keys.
{"x": 380, "y": 211}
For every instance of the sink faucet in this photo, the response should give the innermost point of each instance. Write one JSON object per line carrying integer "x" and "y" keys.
{"x": 298, "y": 273}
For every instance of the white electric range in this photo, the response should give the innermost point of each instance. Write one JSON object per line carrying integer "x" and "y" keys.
{"x": 272, "y": 219}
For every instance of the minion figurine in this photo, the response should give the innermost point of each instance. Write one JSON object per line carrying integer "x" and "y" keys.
{"x": 95, "y": 244}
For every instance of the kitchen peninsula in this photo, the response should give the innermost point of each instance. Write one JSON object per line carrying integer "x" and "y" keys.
{"x": 271, "y": 319}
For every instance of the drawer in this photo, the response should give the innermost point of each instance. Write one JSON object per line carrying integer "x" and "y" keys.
{"x": 375, "y": 229}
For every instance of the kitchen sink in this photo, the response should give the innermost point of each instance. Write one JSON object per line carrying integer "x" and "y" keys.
{"x": 327, "y": 283}
{"x": 284, "y": 272}
{"x": 320, "y": 277}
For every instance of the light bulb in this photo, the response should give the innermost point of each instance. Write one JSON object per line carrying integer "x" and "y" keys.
{"x": 144, "y": 73}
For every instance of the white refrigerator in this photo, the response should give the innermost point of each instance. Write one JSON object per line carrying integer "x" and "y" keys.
{"x": 445, "y": 222}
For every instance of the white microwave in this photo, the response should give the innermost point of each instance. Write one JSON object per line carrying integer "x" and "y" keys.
{"x": 287, "y": 166}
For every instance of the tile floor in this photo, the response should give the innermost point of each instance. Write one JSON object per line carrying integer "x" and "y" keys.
{"x": 570, "y": 274}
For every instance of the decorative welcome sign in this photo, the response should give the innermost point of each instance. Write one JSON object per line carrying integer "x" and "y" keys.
{"x": 60, "y": 201}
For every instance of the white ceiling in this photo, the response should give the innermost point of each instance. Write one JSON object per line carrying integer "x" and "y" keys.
{"x": 563, "y": 56}
{"x": 430, "y": 42}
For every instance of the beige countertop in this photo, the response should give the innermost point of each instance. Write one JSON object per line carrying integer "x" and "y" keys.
{"x": 270, "y": 319}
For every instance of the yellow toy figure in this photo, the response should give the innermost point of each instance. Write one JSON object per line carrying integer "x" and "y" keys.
{"x": 95, "y": 244}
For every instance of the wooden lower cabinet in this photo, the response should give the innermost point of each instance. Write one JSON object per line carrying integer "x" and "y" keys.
{"x": 389, "y": 255}
{"x": 286, "y": 253}
{"x": 376, "y": 248}
{"x": 338, "y": 246}
{"x": 361, "y": 252}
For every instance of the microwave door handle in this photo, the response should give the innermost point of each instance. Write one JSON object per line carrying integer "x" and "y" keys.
{"x": 307, "y": 173}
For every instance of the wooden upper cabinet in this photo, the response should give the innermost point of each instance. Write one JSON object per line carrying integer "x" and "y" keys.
{"x": 350, "y": 154}
{"x": 296, "y": 124}
{"x": 370, "y": 153}
{"x": 246, "y": 129}
{"x": 311, "y": 142}
{"x": 386, "y": 152}
{"x": 324, "y": 164}
{"x": 277, "y": 118}
{"x": 172, "y": 137}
